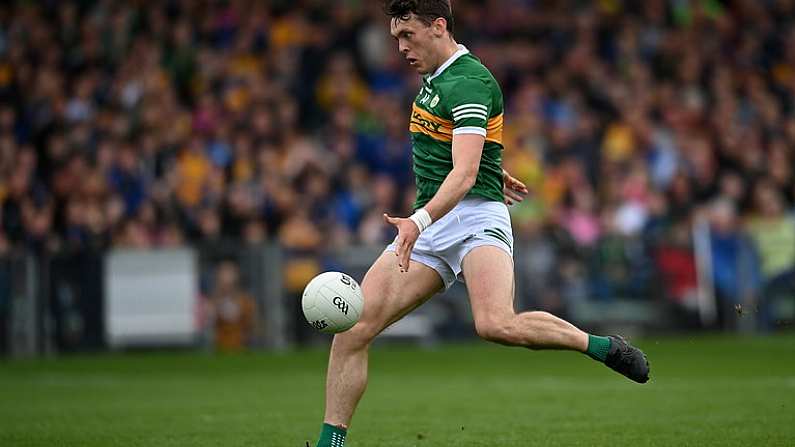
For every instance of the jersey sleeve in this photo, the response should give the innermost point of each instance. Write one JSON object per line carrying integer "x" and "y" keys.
{"x": 470, "y": 107}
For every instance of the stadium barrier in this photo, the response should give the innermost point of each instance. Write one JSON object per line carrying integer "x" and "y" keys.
{"x": 20, "y": 307}
{"x": 68, "y": 302}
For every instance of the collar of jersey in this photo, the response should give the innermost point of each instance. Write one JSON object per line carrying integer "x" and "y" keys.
{"x": 462, "y": 50}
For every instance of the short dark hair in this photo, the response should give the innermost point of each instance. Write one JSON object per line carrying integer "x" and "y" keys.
{"x": 426, "y": 10}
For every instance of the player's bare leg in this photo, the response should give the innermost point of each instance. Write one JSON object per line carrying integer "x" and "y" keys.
{"x": 389, "y": 294}
{"x": 489, "y": 276}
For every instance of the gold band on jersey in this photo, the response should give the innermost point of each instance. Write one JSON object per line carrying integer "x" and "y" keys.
{"x": 494, "y": 129}
{"x": 441, "y": 129}
{"x": 425, "y": 122}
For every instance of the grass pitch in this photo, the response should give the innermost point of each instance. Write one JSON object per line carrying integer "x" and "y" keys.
{"x": 711, "y": 391}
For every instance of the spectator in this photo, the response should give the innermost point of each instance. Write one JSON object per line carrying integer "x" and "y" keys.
{"x": 734, "y": 262}
{"x": 676, "y": 261}
{"x": 233, "y": 310}
{"x": 773, "y": 231}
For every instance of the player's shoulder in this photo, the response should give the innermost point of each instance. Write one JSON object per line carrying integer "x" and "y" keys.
{"x": 468, "y": 77}
{"x": 466, "y": 74}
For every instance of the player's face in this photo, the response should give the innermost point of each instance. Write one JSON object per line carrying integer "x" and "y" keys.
{"x": 415, "y": 40}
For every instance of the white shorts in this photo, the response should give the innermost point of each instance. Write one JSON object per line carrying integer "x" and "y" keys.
{"x": 474, "y": 222}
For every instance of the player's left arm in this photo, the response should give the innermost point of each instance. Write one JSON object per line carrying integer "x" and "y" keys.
{"x": 513, "y": 188}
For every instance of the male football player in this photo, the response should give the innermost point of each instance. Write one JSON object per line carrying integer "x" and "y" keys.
{"x": 461, "y": 229}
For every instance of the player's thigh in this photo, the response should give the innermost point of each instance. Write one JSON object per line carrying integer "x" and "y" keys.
{"x": 488, "y": 273}
{"x": 389, "y": 294}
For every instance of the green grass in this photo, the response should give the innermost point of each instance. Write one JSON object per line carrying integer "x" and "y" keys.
{"x": 705, "y": 391}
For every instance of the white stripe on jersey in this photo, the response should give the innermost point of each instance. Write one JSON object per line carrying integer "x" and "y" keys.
{"x": 466, "y": 106}
{"x": 471, "y": 115}
{"x": 465, "y": 111}
{"x": 470, "y": 130}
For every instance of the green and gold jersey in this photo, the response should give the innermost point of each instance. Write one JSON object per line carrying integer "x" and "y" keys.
{"x": 462, "y": 97}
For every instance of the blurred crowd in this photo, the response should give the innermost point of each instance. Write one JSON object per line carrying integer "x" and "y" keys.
{"x": 157, "y": 124}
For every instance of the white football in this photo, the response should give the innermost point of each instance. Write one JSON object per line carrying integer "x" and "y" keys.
{"x": 332, "y": 302}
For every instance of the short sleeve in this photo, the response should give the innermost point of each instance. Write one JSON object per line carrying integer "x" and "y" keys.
{"x": 470, "y": 107}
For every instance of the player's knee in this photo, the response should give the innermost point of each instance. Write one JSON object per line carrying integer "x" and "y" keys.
{"x": 358, "y": 337}
{"x": 496, "y": 330}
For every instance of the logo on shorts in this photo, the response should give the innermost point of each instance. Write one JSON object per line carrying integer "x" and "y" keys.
{"x": 500, "y": 235}
{"x": 435, "y": 101}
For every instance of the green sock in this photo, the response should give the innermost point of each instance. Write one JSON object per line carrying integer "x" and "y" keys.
{"x": 332, "y": 436}
{"x": 598, "y": 347}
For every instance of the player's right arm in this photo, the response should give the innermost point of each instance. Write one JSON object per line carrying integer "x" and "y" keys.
{"x": 469, "y": 107}
{"x": 467, "y": 150}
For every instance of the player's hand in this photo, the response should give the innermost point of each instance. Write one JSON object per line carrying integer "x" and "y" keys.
{"x": 406, "y": 238}
{"x": 514, "y": 189}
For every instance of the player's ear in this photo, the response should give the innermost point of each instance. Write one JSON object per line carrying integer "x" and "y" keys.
{"x": 439, "y": 26}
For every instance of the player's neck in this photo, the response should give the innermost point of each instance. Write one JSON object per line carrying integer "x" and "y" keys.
{"x": 447, "y": 50}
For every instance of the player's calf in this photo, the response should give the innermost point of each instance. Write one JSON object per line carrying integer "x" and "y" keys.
{"x": 533, "y": 330}
{"x": 346, "y": 380}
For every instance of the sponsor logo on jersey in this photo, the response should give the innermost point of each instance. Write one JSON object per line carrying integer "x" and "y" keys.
{"x": 426, "y": 123}
{"x": 440, "y": 129}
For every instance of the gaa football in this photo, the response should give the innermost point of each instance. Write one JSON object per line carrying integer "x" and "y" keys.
{"x": 332, "y": 302}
